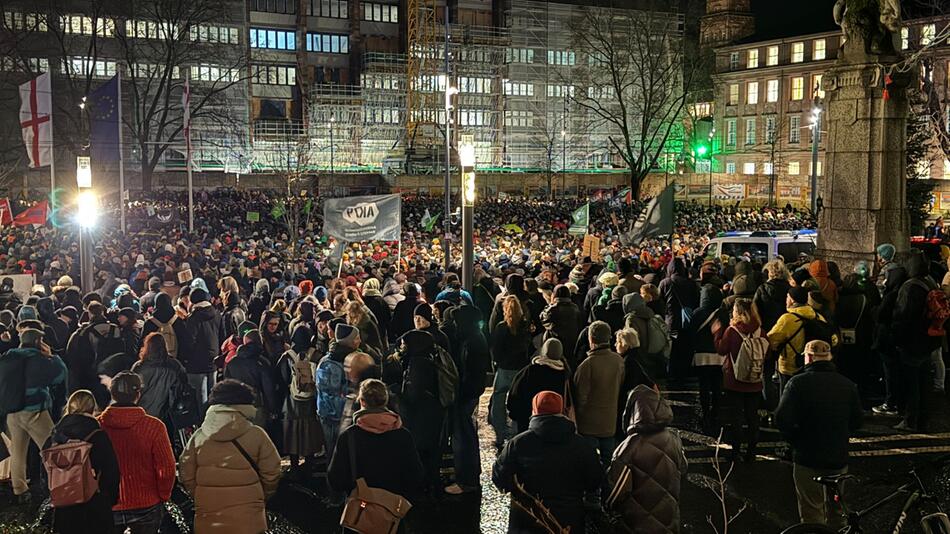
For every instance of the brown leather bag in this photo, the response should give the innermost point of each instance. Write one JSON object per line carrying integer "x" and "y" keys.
{"x": 372, "y": 510}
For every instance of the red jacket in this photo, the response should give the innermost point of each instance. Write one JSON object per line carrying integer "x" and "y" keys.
{"x": 146, "y": 461}
{"x": 728, "y": 341}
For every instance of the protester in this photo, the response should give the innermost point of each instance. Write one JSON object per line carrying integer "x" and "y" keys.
{"x": 33, "y": 369}
{"x": 547, "y": 372}
{"x": 303, "y": 434}
{"x": 419, "y": 403}
{"x": 819, "y": 411}
{"x": 162, "y": 377}
{"x": 144, "y": 453}
{"x": 536, "y": 459}
{"x": 644, "y": 476}
{"x": 598, "y": 379}
{"x": 252, "y": 368}
{"x": 331, "y": 382}
{"x": 511, "y": 350}
{"x": 230, "y": 466}
{"x": 204, "y": 338}
{"x": 707, "y": 363}
{"x": 79, "y": 423}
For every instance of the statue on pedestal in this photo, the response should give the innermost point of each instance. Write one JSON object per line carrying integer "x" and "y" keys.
{"x": 871, "y": 23}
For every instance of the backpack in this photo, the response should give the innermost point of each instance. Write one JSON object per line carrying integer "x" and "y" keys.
{"x": 938, "y": 308}
{"x": 747, "y": 365}
{"x": 658, "y": 335}
{"x": 183, "y": 407}
{"x": 303, "y": 387}
{"x": 72, "y": 479}
{"x": 331, "y": 389}
{"x": 814, "y": 329}
{"x": 448, "y": 376}
{"x": 13, "y": 392}
{"x": 105, "y": 345}
{"x": 167, "y": 330}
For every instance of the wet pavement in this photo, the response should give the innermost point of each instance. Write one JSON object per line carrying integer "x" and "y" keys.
{"x": 881, "y": 458}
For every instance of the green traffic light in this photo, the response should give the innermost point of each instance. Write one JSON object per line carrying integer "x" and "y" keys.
{"x": 701, "y": 150}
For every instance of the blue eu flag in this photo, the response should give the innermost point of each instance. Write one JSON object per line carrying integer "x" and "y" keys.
{"x": 104, "y": 122}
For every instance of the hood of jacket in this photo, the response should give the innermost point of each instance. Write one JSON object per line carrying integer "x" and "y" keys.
{"x": 44, "y": 308}
{"x": 676, "y": 267}
{"x": 634, "y": 303}
{"x": 261, "y": 288}
{"x": 224, "y": 422}
{"x": 710, "y": 298}
{"x": 122, "y": 416}
{"x": 552, "y": 428}
{"x": 805, "y": 311}
{"x": 74, "y": 426}
{"x": 557, "y": 365}
{"x": 250, "y": 351}
{"x": 648, "y": 412}
{"x": 917, "y": 266}
{"x": 203, "y": 311}
{"x": 377, "y": 420}
{"x": 818, "y": 269}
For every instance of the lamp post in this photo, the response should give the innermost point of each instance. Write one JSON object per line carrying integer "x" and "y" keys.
{"x": 467, "y": 162}
{"x": 450, "y": 91}
{"x": 563, "y": 161}
{"x": 332, "y": 165}
{"x": 815, "y": 138}
{"x": 87, "y": 211}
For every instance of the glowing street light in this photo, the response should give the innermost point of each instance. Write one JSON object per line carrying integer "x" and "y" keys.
{"x": 467, "y": 162}
{"x": 87, "y": 209}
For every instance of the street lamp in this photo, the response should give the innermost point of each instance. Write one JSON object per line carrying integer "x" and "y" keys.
{"x": 467, "y": 162}
{"x": 815, "y": 138}
{"x": 563, "y": 161}
{"x": 332, "y": 166}
{"x": 87, "y": 213}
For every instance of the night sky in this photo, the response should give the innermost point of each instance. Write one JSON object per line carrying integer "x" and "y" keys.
{"x": 785, "y": 18}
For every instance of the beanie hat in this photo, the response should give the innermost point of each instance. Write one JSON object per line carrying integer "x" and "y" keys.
{"x": 325, "y": 315}
{"x": 609, "y": 279}
{"x": 230, "y": 391}
{"x": 817, "y": 348}
{"x": 742, "y": 285}
{"x": 346, "y": 334}
{"x": 552, "y": 349}
{"x": 69, "y": 311}
{"x": 27, "y": 313}
{"x": 618, "y": 292}
{"x": 245, "y": 327}
{"x": 886, "y": 251}
{"x": 547, "y": 403}
{"x": 199, "y": 295}
{"x": 423, "y": 310}
{"x": 799, "y": 295}
{"x": 64, "y": 281}
{"x": 320, "y": 293}
{"x": 800, "y": 276}
{"x": 31, "y": 337}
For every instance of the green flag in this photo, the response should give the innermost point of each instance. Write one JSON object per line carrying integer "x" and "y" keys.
{"x": 253, "y": 216}
{"x": 308, "y": 206}
{"x": 581, "y": 220}
{"x": 278, "y": 210}
{"x": 428, "y": 221}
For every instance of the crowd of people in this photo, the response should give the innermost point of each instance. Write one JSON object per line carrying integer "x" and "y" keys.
{"x": 238, "y": 346}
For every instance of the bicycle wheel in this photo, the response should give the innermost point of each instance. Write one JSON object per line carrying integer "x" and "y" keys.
{"x": 809, "y": 528}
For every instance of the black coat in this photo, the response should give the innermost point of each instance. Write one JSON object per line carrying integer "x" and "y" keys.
{"x": 419, "y": 404}
{"x": 677, "y": 291}
{"x": 770, "y": 301}
{"x": 563, "y": 321}
{"x": 610, "y": 313}
{"x": 469, "y": 351}
{"x": 387, "y": 460}
{"x": 532, "y": 380}
{"x": 204, "y": 340}
{"x": 910, "y": 322}
{"x": 819, "y": 411}
{"x": 381, "y": 311}
{"x": 633, "y": 375}
{"x": 537, "y": 458}
{"x": 251, "y": 367}
{"x": 160, "y": 379}
{"x": 96, "y": 514}
{"x": 511, "y": 350}
{"x": 179, "y": 327}
{"x": 402, "y": 317}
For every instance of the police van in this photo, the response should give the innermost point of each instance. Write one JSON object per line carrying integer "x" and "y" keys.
{"x": 763, "y": 246}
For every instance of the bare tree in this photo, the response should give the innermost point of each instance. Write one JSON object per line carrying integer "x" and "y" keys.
{"x": 635, "y": 83}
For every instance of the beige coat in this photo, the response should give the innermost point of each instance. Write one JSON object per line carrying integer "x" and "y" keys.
{"x": 229, "y": 495}
{"x": 598, "y": 380}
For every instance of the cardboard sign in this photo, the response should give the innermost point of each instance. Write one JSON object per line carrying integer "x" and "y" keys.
{"x": 591, "y": 247}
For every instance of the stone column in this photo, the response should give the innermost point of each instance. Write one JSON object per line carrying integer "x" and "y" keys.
{"x": 863, "y": 195}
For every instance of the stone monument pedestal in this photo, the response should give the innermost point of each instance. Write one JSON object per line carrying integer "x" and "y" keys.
{"x": 863, "y": 194}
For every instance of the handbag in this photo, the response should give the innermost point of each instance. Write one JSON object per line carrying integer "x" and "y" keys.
{"x": 371, "y": 510}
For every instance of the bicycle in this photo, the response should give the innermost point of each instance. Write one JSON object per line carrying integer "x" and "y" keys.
{"x": 933, "y": 523}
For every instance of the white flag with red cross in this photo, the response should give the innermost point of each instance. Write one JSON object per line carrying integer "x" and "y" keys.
{"x": 35, "y": 111}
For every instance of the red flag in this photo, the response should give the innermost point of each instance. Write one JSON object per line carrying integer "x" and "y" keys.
{"x": 33, "y": 215}
{"x": 6, "y": 214}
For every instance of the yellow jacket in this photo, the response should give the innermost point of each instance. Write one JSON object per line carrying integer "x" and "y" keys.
{"x": 788, "y": 336}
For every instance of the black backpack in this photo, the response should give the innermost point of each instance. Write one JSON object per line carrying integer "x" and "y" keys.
{"x": 105, "y": 345}
{"x": 814, "y": 330}
{"x": 13, "y": 390}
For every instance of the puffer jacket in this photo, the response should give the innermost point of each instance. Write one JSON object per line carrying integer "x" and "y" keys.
{"x": 204, "y": 328}
{"x": 787, "y": 337}
{"x": 229, "y": 495}
{"x": 160, "y": 377}
{"x": 645, "y": 473}
{"x": 563, "y": 321}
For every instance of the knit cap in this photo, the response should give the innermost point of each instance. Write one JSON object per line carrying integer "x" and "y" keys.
{"x": 547, "y": 403}
{"x": 346, "y": 334}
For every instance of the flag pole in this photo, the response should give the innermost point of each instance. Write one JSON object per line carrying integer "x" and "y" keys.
{"x": 191, "y": 184}
{"x": 118, "y": 75}
{"x": 52, "y": 151}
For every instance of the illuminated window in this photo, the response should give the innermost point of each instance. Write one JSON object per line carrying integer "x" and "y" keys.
{"x": 798, "y": 88}
{"x": 750, "y": 131}
{"x": 794, "y": 168}
{"x": 927, "y": 34}
{"x": 905, "y": 38}
{"x": 816, "y": 86}
{"x": 752, "y": 93}
{"x": 798, "y": 52}
{"x": 733, "y": 94}
{"x": 752, "y": 59}
{"x": 818, "y": 50}
{"x": 771, "y": 58}
{"x": 748, "y": 167}
{"x": 795, "y": 129}
{"x": 731, "y": 132}
{"x": 771, "y": 91}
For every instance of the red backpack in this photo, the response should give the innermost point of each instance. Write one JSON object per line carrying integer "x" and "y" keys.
{"x": 938, "y": 308}
{"x": 72, "y": 479}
